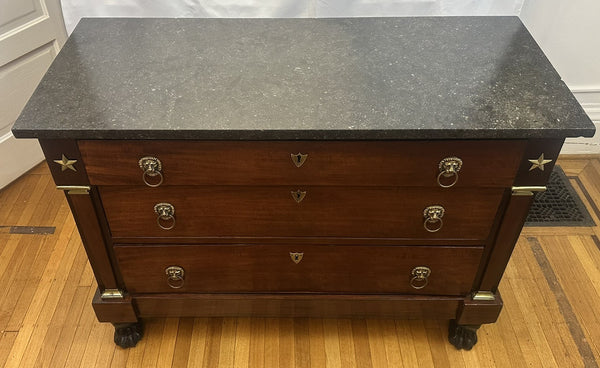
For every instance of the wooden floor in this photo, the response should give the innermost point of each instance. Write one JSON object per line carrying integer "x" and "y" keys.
{"x": 551, "y": 315}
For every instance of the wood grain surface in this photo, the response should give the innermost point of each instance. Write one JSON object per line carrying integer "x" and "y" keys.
{"x": 269, "y": 268}
{"x": 379, "y": 212}
{"x": 383, "y": 163}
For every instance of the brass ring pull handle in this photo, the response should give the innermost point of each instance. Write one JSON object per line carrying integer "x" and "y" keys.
{"x": 175, "y": 276}
{"x": 166, "y": 214}
{"x": 151, "y": 167}
{"x": 449, "y": 168}
{"x": 433, "y": 218}
{"x": 420, "y": 277}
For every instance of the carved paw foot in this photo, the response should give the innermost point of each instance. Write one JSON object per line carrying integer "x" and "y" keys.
{"x": 127, "y": 335}
{"x": 462, "y": 337}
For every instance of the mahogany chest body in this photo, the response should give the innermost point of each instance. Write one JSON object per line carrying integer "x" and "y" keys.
{"x": 283, "y": 173}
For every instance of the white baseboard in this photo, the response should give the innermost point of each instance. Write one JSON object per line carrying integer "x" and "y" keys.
{"x": 17, "y": 156}
{"x": 589, "y": 98}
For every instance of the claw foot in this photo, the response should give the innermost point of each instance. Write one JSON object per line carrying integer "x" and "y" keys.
{"x": 462, "y": 337}
{"x": 127, "y": 335}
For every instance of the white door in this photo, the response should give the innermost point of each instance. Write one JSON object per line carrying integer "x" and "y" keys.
{"x": 31, "y": 34}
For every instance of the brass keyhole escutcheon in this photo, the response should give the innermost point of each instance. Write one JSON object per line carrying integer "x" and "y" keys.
{"x": 449, "y": 168}
{"x": 152, "y": 171}
{"x": 433, "y": 218}
{"x": 299, "y": 159}
{"x": 298, "y": 195}
{"x": 296, "y": 257}
{"x": 175, "y": 276}
{"x": 420, "y": 277}
{"x": 166, "y": 215}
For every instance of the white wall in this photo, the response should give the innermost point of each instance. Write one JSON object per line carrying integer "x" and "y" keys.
{"x": 569, "y": 34}
{"x": 75, "y": 9}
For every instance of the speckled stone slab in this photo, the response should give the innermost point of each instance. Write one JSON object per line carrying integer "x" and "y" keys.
{"x": 357, "y": 78}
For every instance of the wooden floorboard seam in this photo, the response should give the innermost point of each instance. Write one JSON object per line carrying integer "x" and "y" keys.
{"x": 566, "y": 310}
{"x": 588, "y": 196}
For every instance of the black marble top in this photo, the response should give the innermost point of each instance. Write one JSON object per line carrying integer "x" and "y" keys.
{"x": 344, "y": 78}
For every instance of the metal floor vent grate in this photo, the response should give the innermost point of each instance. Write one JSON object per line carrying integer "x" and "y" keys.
{"x": 559, "y": 205}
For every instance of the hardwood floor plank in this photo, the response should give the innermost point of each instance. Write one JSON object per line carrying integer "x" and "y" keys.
{"x": 182, "y": 351}
{"x": 362, "y": 348}
{"x": 50, "y": 287}
{"x": 376, "y": 343}
{"x": 287, "y": 338}
{"x": 422, "y": 348}
{"x": 317, "y": 343}
{"x": 331, "y": 342}
{"x": 572, "y": 166}
{"x": 301, "y": 343}
{"x": 167, "y": 344}
{"x": 227, "y": 344}
{"x": 67, "y": 331}
{"x": 257, "y": 342}
{"x": 437, "y": 343}
{"x": 87, "y": 321}
{"x": 155, "y": 328}
{"x": 61, "y": 316}
{"x": 271, "y": 342}
{"x": 213, "y": 343}
{"x": 106, "y": 353}
{"x": 242, "y": 343}
{"x": 347, "y": 351}
{"x": 183, "y": 341}
{"x": 7, "y": 340}
{"x": 198, "y": 342}
{"x": 406, "y": 342}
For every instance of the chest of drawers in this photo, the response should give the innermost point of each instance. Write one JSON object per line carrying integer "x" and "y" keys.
{"x": 285, "y": 208}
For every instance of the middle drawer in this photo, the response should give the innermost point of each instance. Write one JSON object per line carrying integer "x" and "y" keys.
{"x": 314, "y": 211}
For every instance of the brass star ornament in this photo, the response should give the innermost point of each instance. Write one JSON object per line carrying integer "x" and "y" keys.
{"x": 539, "y": 163}
{"x": 65, "y": 163}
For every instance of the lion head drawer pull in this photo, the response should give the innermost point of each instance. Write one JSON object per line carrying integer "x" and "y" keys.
{"x": 298, "y": 158}
{"x": 151, "y": 167}
{"x": 166, "y": 215}
{"x": 420, "y": 277}
{"x": 433, "y": 218}
{"x": 449, "y": 168}
{"x": 175, "y": 276}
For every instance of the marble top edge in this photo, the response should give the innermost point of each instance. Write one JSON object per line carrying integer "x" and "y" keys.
{"x": 278, "y": 78}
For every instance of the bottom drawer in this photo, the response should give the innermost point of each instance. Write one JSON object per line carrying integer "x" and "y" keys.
{"x": 301, "y": 268}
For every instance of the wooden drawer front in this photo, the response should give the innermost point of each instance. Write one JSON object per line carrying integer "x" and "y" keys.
{"x": 378, "y": 212}
{"x": 410, "y": 163}
{"x": 269, "y": 268}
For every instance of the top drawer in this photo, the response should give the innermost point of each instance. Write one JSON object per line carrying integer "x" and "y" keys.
{"x": 377, "y": 163}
